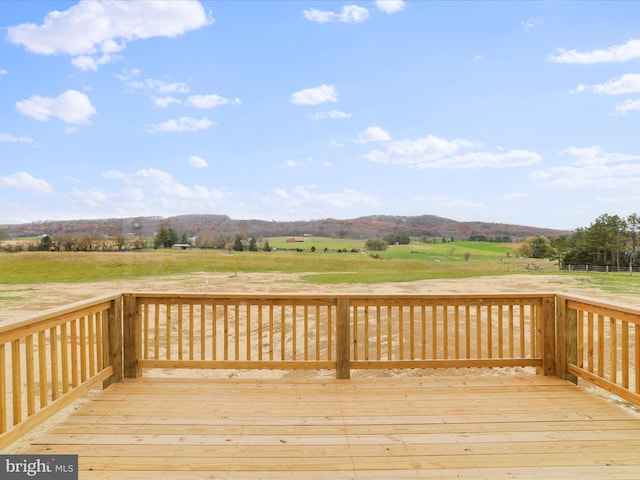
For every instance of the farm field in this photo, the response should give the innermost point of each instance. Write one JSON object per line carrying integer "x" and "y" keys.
{"x": 31, "y": 282}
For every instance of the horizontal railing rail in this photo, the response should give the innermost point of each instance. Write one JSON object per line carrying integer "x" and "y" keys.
{"x": 49, "y": 361}
{"x": 600, "y": 343}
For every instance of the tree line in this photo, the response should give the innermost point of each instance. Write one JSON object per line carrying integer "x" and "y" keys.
{"x": 609, "y": 241}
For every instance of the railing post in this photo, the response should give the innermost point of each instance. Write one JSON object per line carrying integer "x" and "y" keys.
{"x": 546, "y": 330}
{"x": 567, "y": 337}
{"x": 343, "y": 345}
{"x": 114, "y": 325}
{"x": 131, "y": 321}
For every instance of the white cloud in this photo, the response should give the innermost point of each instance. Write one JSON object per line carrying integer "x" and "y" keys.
{"x": 7, "y": 137}
{"x": 628, "y": 83}
{"x": 197, "y": 162}
{"x": 627, "y": 106}
{"x": 24, "y": 181}
{"x": 94, "y": 32}
{"x": 70, "y": 107}
{"x": 209, "y": 101}
{"x": 373, "y": 134}
{"x": 314, "y": 96}
{"x": 158, "y": 182}
{"x": 163, "y": 102}
{"x": 592, "y": 168}
{"x": 348, "y": 14}
{"x": 478, "y": 57}
{"x": 439, "y": 153}
{"x": 182, "y": 124}
{"x": 617, "y": 53}
{"x": 333, "y": 114}
{"x": 3, "y": 71}
{"x": 390, "y": 6}
{"x": 531, "y": 23}
{"x": 306, "y": 195}
{"x": 156, "y": 86}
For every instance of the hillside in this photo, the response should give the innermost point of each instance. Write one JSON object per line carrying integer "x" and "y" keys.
{"x": 363, "y": 227}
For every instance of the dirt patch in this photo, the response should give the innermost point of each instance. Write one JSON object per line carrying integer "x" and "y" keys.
{"x": 19, "y": 302}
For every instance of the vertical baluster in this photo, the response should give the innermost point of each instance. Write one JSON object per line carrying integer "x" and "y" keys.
{"x": 489, "y": 331}
{"x": 294, "y": 333}
{"x": 92, "y": 346}
{"x": 271, "y": 340}
{"x": 156, "y": 333}
{"x": 600, "y": 321}
{"x": 467, "y": 330}
{"x": 31, "y": 388}
{"x": 523, "y": 334}
{"x": 225, "y": 338}
{"x": 167, "y": 331}
{"x": 478, "y": 331}
{"x": 53, "y": 345}
{"x": 389, "y": 334}
{"x": 83, "y": 349}
{"x": 180, "y": 329}
{"x": 590, "y": 346}
{"x": 203, "y": 337}
{"x": 511, "y": 333}
{"x": 42, "y": 368}
{"x": 625, "y": 354}
{"x": 260, "y": 333}
{"x": 16, "y": 381}
{"x": 64, "y": 358}
{"x": 378, "y": 333}
{"x": 456, "y": 326}
{"x": 500, "y": 331}
{"x": 248, "y": 330}
{"x": 445, "y": 331}
{"x": 282, "y": 333}
{"x": 214, "y": 332}
{"x": 74, "y": 353}
{"x": 434, "y": 332}
{"x": 580, "y": 333}
{"x": 3, "y": 389}
{"x": 613, "y": 349}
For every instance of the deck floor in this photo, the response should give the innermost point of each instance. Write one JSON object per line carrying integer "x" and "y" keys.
{"x": 489, "y": 427}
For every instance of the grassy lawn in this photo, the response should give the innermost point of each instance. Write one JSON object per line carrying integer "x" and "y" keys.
{"x": 397, "y": 264}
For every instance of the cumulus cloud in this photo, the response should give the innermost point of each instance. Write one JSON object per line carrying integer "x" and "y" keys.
{"x": 373, "y": 134}
{"x": 96, "y": 32}
{"x": 164, "y": 102}
{"x": 182, "y": 124}
{"x": 617, "y": 53}
{"x": 331, "y": 115}
{"x": 439, "y": 153}
{"x": 70, "y": 107}
{"x": 348, "y": 14}
{"x": 197, "y": 162}
{"x": 3, "y": 71}
{"x": 307, "y": 195}
{"x": 209, "y": 101}
{"x": 390, "y": 6}
{"x": 25, "y": 181}
{"x": 7, "y": 137}
{"x": 156, "y": 181}
{"x": 627, "y": 106}
{"x": 314, "y": 96}
{"x": 592, "y": 167}
{"x": 628, "y": 83}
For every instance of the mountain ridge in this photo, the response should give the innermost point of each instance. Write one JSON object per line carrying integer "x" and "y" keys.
{"x": 370, "y": 226}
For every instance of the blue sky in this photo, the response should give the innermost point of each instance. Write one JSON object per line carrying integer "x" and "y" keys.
{"x": 514, "y": 112}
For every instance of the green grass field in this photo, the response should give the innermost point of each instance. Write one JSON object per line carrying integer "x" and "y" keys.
{"x": 399, "y": 263}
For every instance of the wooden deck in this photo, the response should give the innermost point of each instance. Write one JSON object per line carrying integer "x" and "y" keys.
{"x": 471, "y": 427}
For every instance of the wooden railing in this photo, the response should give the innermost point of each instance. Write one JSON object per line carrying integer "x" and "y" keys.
{"x": 49, "y": 361}
{"x": 599, "y": 343}
{"x": 341, "y": 332}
